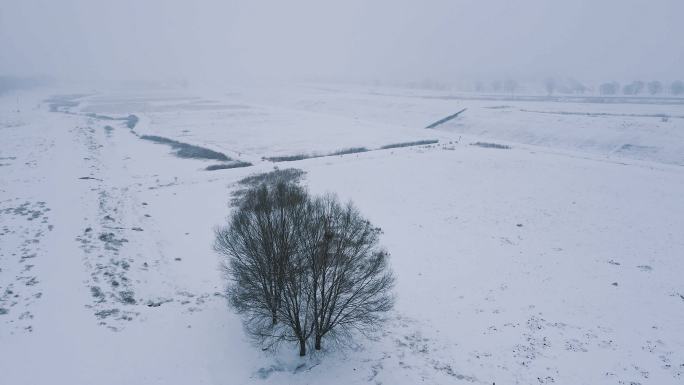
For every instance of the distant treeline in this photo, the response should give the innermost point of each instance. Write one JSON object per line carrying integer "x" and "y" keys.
{"x": 554, "y": 86}
{"x": 638, "y": 87}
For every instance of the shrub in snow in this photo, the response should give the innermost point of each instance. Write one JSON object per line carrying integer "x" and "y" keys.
{"x": 224, "y": 166}
{"x": 303, "y": 268}
{"x": 289, "y": 158}
{"x": 491, "y": 145}
{"x": 350, "y": 150}
{"x": 286, "y": 175}
{"x": 409, "y": 144}
{"x": 184, "y": 150}
{"x": 131, "y": 121}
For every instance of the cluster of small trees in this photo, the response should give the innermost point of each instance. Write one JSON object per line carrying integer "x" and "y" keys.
{"x": 637, "y": 87}
{"x": 611, "y": 88}
{"x": 573, "y": 87}
{"x": 301, "y": 267}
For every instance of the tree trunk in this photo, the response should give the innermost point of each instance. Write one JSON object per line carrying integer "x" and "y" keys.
{"x": 302, "y": 348}
{"x": 318, "y": 342}
{"x": 274, "y": 318}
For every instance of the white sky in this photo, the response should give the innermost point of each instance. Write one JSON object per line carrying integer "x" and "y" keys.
{"x": 397, "y": 40}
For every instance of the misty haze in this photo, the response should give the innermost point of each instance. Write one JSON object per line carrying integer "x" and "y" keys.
{"x": 341, "y": 192}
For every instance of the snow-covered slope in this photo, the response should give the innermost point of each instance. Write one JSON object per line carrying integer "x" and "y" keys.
{"x": 558, "y": 260}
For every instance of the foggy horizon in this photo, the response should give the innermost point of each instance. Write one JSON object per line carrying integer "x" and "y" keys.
{"x": 352, "y": 41}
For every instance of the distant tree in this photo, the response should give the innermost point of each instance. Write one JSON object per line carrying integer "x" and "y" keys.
{"x": 299, "y": 267}
{"x": 479, "y": 86}
{"x": 655, "y": 87}
{"x": 510, "y": 86}
{"x": 576, "y": 87}
{"x": 633, "y": 88}
{"x": 550, "y": 85}
{"x": 677, "y": 87}
{"x": 609, "y": 88}
{"x": 628, "y": 89}
{"x": 496, "y": 85}
{"x": 638, "y": 86}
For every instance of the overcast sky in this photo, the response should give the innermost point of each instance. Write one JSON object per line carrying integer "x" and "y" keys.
{"x": 358, "y": 40}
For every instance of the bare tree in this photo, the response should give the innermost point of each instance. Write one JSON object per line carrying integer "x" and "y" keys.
{"x": 677, "y": 87}
{"x": 350, "y": 280}
{"x": 638, "y": 86}
{"x": 261, "y": 245}
{"x": 296, "y": 307}
{"x": 300, "y": 267}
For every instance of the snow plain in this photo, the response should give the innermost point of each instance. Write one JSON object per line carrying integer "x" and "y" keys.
{"x": 559, "y": 260}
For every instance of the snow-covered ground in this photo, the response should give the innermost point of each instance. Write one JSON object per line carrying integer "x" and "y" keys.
{"x": 559, "y": 260}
